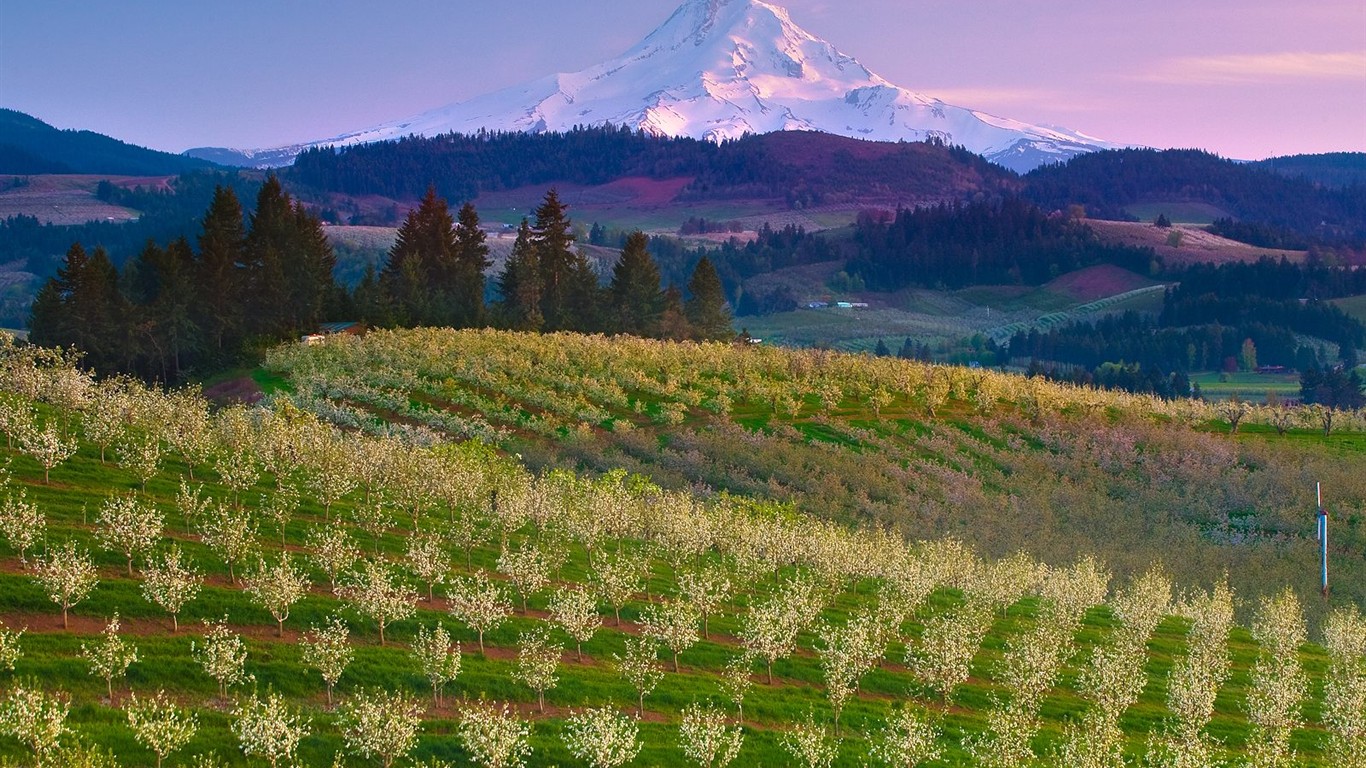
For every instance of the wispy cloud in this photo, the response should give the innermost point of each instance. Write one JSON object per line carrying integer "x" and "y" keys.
{"x": 1260, "y": 68}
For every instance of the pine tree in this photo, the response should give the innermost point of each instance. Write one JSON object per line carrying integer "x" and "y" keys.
{"x": 706, "y": 309}
{"x": 471, "y": 258}
{"x": 421, "y": 266}
{"x": 553, "y": 240}
{"x": 673, "y": 322}
{"x": 82, "y": 306}
{"x": 162, "y": 286}
{"x": 520, "y": 284}
{"x": 371, "y": 301}
{"x": 218, "y": 309}
{"x": 308, "y": 271}
{"x": 263, "y": 261}
{"x": 637, "y": 303}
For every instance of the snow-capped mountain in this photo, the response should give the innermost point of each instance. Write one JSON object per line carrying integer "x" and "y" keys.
{"x": 718, "y": 69}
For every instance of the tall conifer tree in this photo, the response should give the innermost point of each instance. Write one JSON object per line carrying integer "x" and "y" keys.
{"x": 218, "y": 296}
{"x": 553, "y": 239}
{"x": 635, "y": 299}
{"x": 422, "y": 264}
{"x": 267, "y": 246}
{"x": 520, "y": 284}
{"x": 706, "y": 308}
{"x": 471, "y": 259}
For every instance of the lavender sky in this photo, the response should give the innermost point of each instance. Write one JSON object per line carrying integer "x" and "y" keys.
{"x": 1244, "y": 78}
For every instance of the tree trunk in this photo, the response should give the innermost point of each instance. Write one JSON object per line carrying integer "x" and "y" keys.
{"x": 64, "y": 624}
{"x": 675, "y": 662}
{"x": 175, "y": 623}
{"x": 381, "y": 634}
{"x": 280, "y": 628}
{"x": 770, "y": 671}
{"x": 578, "y": 648}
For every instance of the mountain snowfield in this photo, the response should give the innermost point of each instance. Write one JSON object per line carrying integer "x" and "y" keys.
{"x": 718, "y": 69}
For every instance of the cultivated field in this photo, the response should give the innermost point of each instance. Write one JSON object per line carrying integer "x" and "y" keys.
{"x": 67, "y": 199}
{"x": 311, "y": 596}
{"x": 935, "y": 317}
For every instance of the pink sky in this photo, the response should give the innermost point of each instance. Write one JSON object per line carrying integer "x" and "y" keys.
{"x": 1247, "y": 79}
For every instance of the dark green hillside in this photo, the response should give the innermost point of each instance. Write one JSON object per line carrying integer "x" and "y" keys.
{"x": 1331, "y": 169}
{"x": 30, "y": 146}
{"x": 803, "y": 168}
{"x": 1105, "y": 183}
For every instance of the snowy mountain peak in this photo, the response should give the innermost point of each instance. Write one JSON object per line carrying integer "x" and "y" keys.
{"x": 718, "y": 69}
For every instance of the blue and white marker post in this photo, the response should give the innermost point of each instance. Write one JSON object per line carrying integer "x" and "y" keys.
{"x": 1323, "y": 540}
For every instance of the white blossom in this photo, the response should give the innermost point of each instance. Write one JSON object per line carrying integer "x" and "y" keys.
{"x": 269, "y": 728}
{"x": 160, "y": 725}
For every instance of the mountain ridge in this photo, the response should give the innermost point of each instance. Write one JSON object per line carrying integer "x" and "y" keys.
{"x": 30, "y": 146}
{"x": 718, "y": 70}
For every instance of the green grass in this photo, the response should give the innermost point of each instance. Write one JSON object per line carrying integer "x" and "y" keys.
{"x": 849, "y": 435}
{"x": 1253, "y": 387}
{"x": 1177, "y": 213}
{"x": 1354, "y": 306}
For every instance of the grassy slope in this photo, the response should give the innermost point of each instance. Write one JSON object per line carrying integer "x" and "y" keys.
{"x": 80, "y": 486}
{"x": 51, "y": 655}
{"x": 1129, "y": 488}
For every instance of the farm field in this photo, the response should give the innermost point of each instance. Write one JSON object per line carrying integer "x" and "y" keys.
{"x": 1354, "y": 306}
{"x": 819, "y": 633}
{"x": 67, "y": 199}
{"x": 1249, "y": 386}
{"x": 995, "y": 312}
{"x": 1197, "y": 246}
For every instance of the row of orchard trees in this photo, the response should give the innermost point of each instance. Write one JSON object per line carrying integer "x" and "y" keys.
{"x": 786, "y": 570}
{"x": 600, "y": 371}
{"x": 434, "y": 276}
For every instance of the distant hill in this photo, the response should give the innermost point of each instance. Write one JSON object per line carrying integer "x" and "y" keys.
{"x": 29, "y": 146}
{"x": 1108, "y": 183}
{"x": 804, "y": 168}
{"x": 1332, "y": 169}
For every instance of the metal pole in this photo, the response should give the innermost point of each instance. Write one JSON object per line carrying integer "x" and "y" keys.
{"x": 1323, "y": 541}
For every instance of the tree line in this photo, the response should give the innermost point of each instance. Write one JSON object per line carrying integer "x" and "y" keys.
{"x": 176, "y": 309}
{"x": 435, "y": 275}
{"x": 1007, "y": 240}
{"x": 1105, "y": 183}
{"x": 259, "y": 279}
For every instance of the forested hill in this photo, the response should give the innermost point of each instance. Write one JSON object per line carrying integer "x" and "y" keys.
{"x": 30, "y": 146}
{"x": 1106, "y": 182}
{"x": 1331, "y": 169}
{"x": 803, "y": 167}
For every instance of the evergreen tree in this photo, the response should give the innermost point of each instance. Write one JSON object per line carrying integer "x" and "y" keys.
{"x": 706, "y": 309}
{"x": 218, "y": 295}
{"x": 520, "y": 284}
{"x": 907, "y": 351}
{"x": 673, "y": 322}
{"x": 89, "y": 309}
{"x": 553, "y": 239}
{"x": 636, "y": 301}
{"x": 267, "y": 246}
{"x": 421, "y": 266}
{"x": 471, "y": 260}
{"x": 370, "y": 300}
{"x": 881, "y": 350}
{"x": 161, "y": 286}
{"x": 308, "y": 271}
